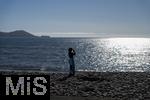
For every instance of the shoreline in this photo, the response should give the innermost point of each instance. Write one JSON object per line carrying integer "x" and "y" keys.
{"x": 95, "y": 85}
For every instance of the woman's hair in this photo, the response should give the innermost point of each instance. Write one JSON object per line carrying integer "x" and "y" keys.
{"x": 70, "y": 49}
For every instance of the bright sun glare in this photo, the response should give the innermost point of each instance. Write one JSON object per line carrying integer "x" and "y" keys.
{"x": 129, "y": 45}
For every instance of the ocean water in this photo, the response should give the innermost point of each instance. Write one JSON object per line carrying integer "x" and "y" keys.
{"x": 92, "y": 54}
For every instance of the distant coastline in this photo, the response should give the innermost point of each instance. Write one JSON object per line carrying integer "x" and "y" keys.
{"x": 19, "y": 34}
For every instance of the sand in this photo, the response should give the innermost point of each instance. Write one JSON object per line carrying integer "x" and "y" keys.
{"x": 96, "y": 85}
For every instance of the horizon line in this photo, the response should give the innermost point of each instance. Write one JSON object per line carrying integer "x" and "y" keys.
{"x": 85, "y": 34}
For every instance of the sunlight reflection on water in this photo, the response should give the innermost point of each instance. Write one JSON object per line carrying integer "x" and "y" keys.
{"x": 121, "y": 54}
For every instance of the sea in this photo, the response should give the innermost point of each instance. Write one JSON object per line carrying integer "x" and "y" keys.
{"x": 92, "y": 54}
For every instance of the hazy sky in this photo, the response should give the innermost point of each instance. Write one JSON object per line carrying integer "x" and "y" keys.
{"x": 76, "y": 17}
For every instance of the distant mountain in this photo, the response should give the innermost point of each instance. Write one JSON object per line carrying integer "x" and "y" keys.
{"x": 18, "y": 33}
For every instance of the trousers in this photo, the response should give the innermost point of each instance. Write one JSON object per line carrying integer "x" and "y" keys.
{"x": 72, "y": 66}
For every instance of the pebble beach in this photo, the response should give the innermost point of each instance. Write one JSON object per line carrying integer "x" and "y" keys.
{"x": 102, "y": 85}
{"x": 95, "y": 85}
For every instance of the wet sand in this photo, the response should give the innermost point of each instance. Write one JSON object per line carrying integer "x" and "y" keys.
{"x": 96, "y": 85}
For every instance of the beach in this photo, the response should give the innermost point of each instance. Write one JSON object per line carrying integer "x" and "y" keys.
{"x": 106, "y": 85}
{"x": 95, "y": 85}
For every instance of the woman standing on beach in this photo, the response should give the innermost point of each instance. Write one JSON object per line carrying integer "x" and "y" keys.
{"x": 71, "y": 53}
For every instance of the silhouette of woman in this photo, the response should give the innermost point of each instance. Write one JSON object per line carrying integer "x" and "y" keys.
{"x": 71, "y": 53}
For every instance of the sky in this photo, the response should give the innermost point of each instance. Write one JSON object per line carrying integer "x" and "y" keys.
{"x": 77, "y": 18}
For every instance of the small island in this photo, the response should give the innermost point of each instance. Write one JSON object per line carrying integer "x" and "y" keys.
{"x": 45, "y": 37}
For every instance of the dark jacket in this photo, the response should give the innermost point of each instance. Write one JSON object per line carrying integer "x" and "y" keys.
{"x": 71, "y": 53}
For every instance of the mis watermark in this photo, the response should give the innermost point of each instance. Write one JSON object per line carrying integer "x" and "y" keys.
{"x": 25, "y": 86}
